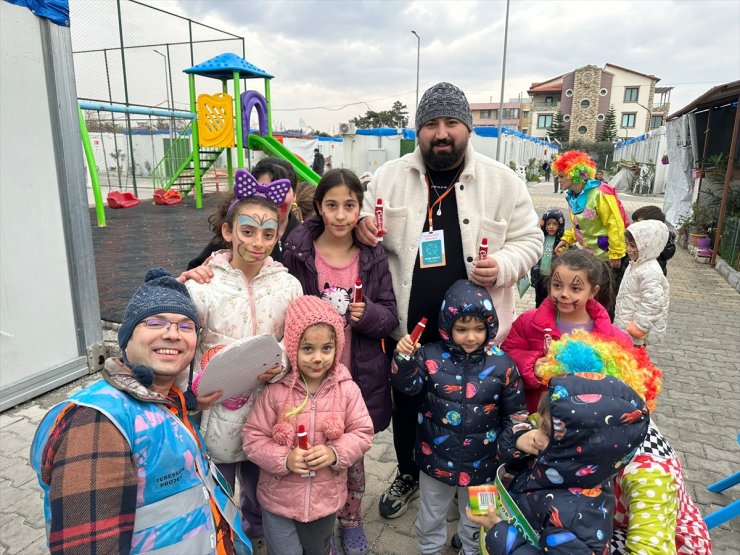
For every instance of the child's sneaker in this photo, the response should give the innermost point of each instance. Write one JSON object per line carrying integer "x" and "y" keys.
{"x": 395, "y": 500}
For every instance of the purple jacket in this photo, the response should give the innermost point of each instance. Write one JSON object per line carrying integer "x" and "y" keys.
{"x": 370, "y": 367}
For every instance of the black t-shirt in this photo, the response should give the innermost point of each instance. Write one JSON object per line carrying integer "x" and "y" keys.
{"x": 429, "y": 285}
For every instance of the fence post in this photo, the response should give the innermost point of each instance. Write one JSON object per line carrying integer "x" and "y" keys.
{"x": 125, "y": 94}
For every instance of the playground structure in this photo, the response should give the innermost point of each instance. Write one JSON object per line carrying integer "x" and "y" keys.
{"x": 217, "y": 124}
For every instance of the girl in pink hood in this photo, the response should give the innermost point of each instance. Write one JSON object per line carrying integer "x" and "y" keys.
{"x": 302, "y": 486}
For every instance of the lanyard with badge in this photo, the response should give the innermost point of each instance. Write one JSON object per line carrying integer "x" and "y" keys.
{"x": 432, "y": 244}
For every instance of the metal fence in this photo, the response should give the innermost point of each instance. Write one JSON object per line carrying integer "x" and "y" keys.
{"x": 127, "y": 52}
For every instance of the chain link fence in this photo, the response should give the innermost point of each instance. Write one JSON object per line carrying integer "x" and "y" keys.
{"x": 129, "y": 53}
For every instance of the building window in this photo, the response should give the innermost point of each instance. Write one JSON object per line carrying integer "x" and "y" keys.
{"x": 603, "y": 92}
{"x": 549, "y": 100}
{"x": 582, "y": 130}
{"x": 585, "y": 104}
{"x": 566, "y": 117}
{"x": 656, "y": 121}
{"x": 628, "y": 120}
{"x": 544, "y": 121}
{"x": 485, "y": 114}
{"x": 510, "y": 113}
{"x": 631, "y": 94}
{"x": 525, "y": 114}
{"x": 569, "y": 92}
{"x": 600, "y": 117}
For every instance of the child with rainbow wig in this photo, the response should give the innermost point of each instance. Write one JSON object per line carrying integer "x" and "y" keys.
{"x": 595, "y": 211}
{"x": 654, "y": 512}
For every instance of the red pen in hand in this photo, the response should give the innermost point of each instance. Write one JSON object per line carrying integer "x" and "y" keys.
{"x": 302, "y": 436}
{"x": 483, "y": 248}
{"x": 416, "y": 334}
{"x": 379, "y": 218}
{"x": 357, "y": 297}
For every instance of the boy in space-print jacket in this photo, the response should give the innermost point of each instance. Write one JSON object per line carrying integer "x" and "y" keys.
{"x": 469, "y": 398}
{"x": 594, "y": 423}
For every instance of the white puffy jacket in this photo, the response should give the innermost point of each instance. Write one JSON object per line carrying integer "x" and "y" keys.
{"x": 644, "y": 294}
{"x": 230, "y": 308}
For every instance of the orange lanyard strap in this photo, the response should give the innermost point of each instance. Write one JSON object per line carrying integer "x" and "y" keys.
{"x": 436, "y": 202}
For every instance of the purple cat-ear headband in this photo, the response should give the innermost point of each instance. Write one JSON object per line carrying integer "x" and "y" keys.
{"x": 245, "y": 185}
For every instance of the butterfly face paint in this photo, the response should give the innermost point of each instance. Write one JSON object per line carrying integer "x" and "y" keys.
{"x": 255, "y": 234}
{"x": 571, "y": 290}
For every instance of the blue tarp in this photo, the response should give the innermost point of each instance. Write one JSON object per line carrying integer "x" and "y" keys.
{"x": 56, "y": 11}
{"x": 631, "y": 141}
{"x": 480, "y": 131}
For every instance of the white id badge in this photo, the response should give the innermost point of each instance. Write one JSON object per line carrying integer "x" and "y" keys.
{"x": 432, "y": 249}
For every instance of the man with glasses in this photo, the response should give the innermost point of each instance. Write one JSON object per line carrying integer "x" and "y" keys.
{"x": 120, "y": 463}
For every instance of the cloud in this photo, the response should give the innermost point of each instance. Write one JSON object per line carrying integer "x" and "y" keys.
{"x": 327, "y": 53}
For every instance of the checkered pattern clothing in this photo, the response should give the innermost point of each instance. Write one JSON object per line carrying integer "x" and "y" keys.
{"x": 653, "y": 508}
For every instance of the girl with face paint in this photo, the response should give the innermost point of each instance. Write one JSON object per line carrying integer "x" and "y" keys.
{"x": 327, "y": 259}
{"x": 248, "y": 295}
{"x": 580, "y": 287}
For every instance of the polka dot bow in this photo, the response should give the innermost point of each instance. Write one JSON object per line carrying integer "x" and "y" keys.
{"x": 245, "y": 185}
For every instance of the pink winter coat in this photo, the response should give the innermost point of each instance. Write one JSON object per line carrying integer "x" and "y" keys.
{"x": 283, "y": 492}
{"x": 526, "y": 341}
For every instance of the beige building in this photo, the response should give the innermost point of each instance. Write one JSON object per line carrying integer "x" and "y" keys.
{"x": 515, "y": 114}
{"x": 585, "y": 95}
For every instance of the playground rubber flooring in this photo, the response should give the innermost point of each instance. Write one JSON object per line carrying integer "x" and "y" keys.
{"x": 146, "y": 235}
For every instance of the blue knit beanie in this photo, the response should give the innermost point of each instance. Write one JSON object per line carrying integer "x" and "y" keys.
{"x": 161, "y": 293}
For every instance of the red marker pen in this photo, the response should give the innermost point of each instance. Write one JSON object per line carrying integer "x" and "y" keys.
{"x": 358, "y": 291}
{"x": 379, "y": 218}
{"x": 416, "y": 334}
{"x": 548, "y": 339}
{"x": 302, "y": 437}
{"x": 483, "y": 248}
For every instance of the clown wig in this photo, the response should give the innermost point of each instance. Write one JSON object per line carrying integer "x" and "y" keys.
{"x": 582, "y": 352}
{"x": 576, "y": 165}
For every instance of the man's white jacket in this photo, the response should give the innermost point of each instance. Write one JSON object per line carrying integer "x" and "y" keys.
{"x": 492, "y": 202}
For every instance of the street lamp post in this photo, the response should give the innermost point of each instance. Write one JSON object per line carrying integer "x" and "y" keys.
{"x": 503, "y": 80}
{"x": 166, "y": 86}
{"x": 418, "y": 54}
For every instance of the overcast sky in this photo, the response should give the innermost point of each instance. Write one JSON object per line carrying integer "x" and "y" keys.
{"x": 329, "y": 54}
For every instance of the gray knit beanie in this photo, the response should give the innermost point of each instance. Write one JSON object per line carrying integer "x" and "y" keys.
{"x": 160, "y": 293}
{"x": 444, "y": 100}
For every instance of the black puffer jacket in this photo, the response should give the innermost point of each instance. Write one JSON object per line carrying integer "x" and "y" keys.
{"x": 469, "y": 398}
{"x": 566, "y": 493}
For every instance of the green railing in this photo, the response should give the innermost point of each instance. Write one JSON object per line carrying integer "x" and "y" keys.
{"x": 175, "y": 159}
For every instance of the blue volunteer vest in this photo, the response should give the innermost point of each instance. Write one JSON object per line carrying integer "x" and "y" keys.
{"x": 176, "y": 480}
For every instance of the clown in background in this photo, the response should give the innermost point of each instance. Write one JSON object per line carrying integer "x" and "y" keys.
{"x": 595, "y": 211}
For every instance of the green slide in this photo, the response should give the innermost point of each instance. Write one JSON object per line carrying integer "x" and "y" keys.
{"x": 273, "y": 147}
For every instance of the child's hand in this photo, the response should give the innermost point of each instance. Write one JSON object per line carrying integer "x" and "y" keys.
{"x": 406, "y": 347}
{"x": 532, "y": 442}
{"x": 201, "y": 274}
{"x": 538, "y": 365}
{"x": 356, "y": 310}
{"x": 487, "y": 521}
{"x": 561, "y": 247}
{"x": 205, "y": 402}
{"x": 296, "y": 461}
{"x": 320, "y": 456}
{"x": 271, "y": 373}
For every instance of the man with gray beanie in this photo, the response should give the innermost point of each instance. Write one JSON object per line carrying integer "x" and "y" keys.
{"x": 120, "y": 463}
{"x": 439, "y": 203}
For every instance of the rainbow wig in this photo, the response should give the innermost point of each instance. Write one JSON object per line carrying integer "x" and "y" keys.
{"x": 576, "y": 165}
{"x": 582, "y": 352}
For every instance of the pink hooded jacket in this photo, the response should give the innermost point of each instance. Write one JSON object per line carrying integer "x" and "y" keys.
{"x": 335, "y": 415}
{"x": 526, "y": 341}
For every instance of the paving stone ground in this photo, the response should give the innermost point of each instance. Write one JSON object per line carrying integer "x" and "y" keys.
{"x": 697, "y": 412}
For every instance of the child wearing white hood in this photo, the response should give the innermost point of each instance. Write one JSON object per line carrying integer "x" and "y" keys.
{"x": 642, "y": 302}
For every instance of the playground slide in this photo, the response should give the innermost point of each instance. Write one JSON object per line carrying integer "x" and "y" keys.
{"x": 273, "y": 147}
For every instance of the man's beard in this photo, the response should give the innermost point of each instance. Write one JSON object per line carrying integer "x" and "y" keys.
{"x": 439, "y": 161}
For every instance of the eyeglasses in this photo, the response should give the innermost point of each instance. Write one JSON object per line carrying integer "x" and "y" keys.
{"x": 188, "y": 326}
